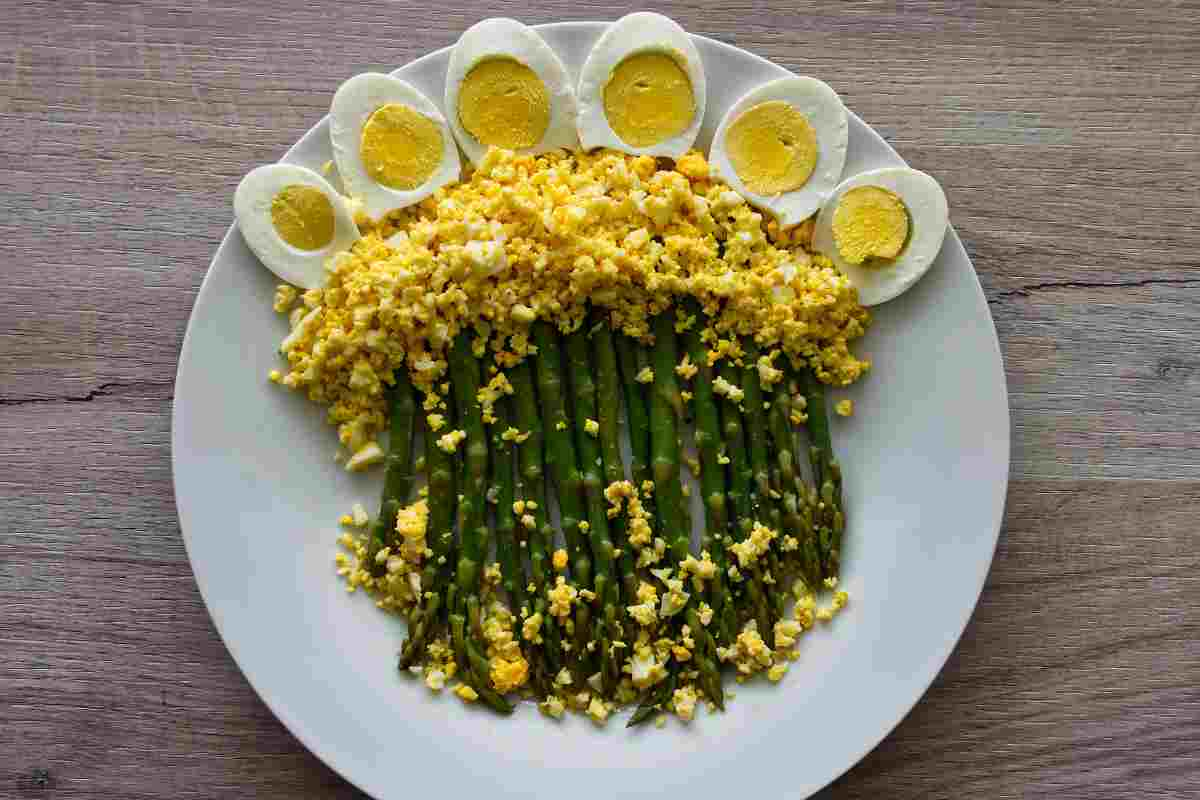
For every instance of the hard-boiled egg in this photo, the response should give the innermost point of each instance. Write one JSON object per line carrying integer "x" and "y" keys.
{"x": 390, "y": 143}
{"x": 782, "y": 146}
{"x": 642, "y": 88}
{"x": 506, "y": 88}
{"x": 884, "y": 229}
{"x": 293, "y": 220}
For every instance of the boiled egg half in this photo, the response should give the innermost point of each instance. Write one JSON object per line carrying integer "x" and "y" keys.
{"x": 782, "y": 146}
{"x": 390, "y": 143}
{"x": 883, "y": 228}
{"x": 642, "y": 89}
{"x": 506, "y": 88}
{"x": 293, "y": 220}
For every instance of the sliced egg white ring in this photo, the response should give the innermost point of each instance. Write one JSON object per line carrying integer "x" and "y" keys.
{"x": 503, "y": 38}
{"x": 928, "y": 220}
{"x": 823, "y": 109}
{"x": 354, "y": 103}
{"x": 284, "y": 200}
{"x": 643, "y": 32}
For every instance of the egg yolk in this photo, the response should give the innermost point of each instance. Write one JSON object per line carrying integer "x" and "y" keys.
{"x": 303, "y": 217}
{"x": 648, "y": 99}
{"x": 503, "y": 103}
{"x": 772, "y": 147}
{"x": 869, "y": 222}
{"x": 400, "y": 147}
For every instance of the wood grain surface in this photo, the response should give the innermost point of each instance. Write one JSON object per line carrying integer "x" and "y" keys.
{"x": 1067, "y": 137}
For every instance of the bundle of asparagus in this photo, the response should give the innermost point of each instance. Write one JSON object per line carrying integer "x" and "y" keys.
{"x": 629, "y": 609}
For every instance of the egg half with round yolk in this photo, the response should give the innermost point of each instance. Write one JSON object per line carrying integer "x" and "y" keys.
{"x": 505, "y": 87}
{"x": 782, "y": 146}
{"x": 390, "y": 143}
{"x": 642, "y": 89}
{"x": 884, "y": 229}
{"x": 293, "y": 220}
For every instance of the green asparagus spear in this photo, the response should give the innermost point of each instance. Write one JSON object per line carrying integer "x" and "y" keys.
{"x": 740, "y": 493}
{"x": 664, "y": 443}
{"x": 827, "y": 475}
{"x": 591, "y": 466}
{"x": 561, "y": 463}
{"x": 631, "y": 360}
{"x": 465, "y": 376}
{"x": 439, "y": 538}
{"x": 398, "y": 475}
{"x": 712, "y": 478}
{"x": 532, "y": 489}
{"x": 608, "y": 404}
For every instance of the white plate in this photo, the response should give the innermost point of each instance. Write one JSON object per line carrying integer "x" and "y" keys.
{"x": 259, "y": 496}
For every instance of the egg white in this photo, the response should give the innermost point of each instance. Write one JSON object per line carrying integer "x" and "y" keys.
{"x": 825, "y": 112}
{"x": 353, "y": 104}
{"x": 640, "y": 32}
{"x": 501, "y": 37}
{"x": 252, "y": 207}
{"x": 929, "y": 218}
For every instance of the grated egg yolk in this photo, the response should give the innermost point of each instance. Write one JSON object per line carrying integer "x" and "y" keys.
{"x": 504, "y": 103}
{"x": 400, "y": 147}
{"x": 648, "y": 99}
{"x": 772, "y": 147}
{"x": 303, "y": 217}
{"x": 869, "y": 222}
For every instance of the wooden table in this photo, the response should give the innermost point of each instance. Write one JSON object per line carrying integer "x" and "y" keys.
{"x": 1068, "y": 140}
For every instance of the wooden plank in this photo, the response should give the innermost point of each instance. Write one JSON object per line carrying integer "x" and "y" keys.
{"x": 1068, "y": 139}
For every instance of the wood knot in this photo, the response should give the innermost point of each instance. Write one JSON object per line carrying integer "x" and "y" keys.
{"x": 35, "y": 783}
{"x": 1173, "y": 370}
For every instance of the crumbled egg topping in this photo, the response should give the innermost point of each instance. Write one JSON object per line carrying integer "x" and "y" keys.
{"x": 527, "y": 237}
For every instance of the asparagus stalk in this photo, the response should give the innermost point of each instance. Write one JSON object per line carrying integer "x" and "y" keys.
{"x": 398, "y": 477}
{"x": 664, "y": 444}
{"x": 797, "y": 516}
{"x": 512, "y": 575}
{"x": 712, "y": 478}
{"x": 608, "y": 403}
{"x": 739, "y": 494}
{"x": 561, "y": 463}
{"x": 465, "y": 375}
{"x": 591, "y": 466}
{"x": 532, "y": 489}
{"x": 630, "y": 355}
{"x": 827, "y": 475}
{"x": 766, "y": 507}
{"x": 439, "y": 538}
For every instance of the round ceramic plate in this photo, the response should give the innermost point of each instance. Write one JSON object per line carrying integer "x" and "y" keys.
{"x": 259, "y": 495}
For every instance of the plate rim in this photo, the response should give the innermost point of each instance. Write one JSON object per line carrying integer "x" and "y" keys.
{"x": 331, "y": 756}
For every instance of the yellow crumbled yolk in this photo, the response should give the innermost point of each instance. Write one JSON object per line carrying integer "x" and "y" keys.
{"x": 724, "y": 388}
{"x": 400, "y": 147}
{"x": 772, "y": 147}
{"x": 869, "y": 223}
{"x": 561, "y": 597}
{"x": 466, "y": 693}
{"x": 683, "y": 701}
{"x": 450, "y": 441}
{"x": 303, "y": 216}
{"x": 285, "y": 298}
{"x": 503, "y": 103}
{"x": 686, "y": 369}
{"x": 648, "y": 99}
{"x": 411, "y": 524}
{"x": 844, "y": 408}
{"x": 753, "y": 546}
{"x": 645, "y": 375}
{"x": 592, "y": 427}
{"x": 559, "y": 559}
{"x": 548, "y": 233}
